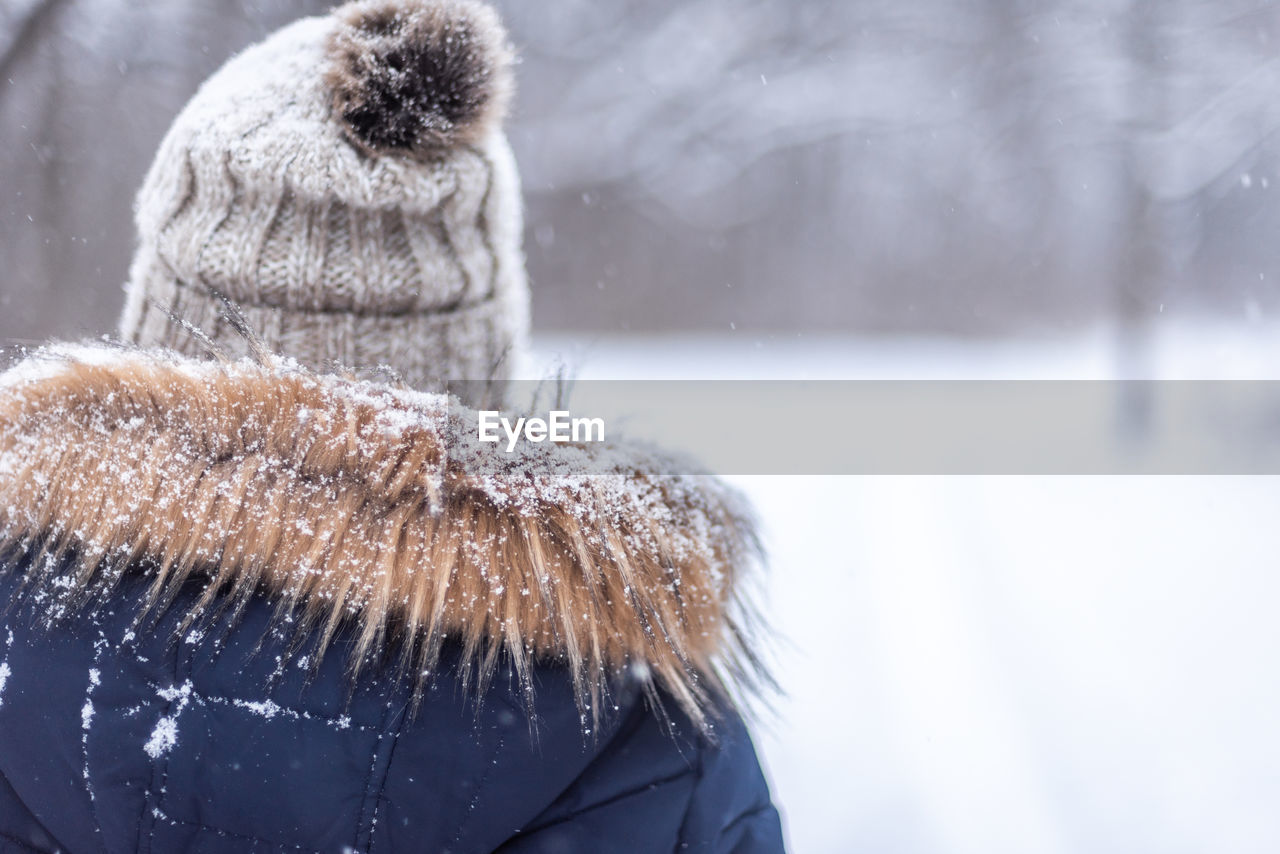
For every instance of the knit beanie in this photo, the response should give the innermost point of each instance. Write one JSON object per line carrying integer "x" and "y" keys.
{"x": 347, "y": 185}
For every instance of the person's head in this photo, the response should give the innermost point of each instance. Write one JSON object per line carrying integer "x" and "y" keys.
{"x": 347, "y": 185}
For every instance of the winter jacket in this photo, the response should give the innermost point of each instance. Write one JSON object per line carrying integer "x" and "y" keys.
{"x": 252, "y": 608}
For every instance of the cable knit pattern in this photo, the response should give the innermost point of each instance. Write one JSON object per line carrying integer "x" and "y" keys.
{"x": 334, "y": 254}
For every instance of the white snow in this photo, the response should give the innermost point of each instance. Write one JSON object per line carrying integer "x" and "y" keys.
{"x": 86, "y": 711}
{"x": 163, "y": 737}
{"x": 1025, "y": 664}
{"x": 265, "y": 709}
{"x": 165, "y": 733}
{"x": 1011, "y": 665}
{"x": 176, "y": 693}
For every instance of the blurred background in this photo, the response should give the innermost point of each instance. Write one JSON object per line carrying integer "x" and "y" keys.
{"x": 800, "y": 188}
{"x": 989, "y": 167}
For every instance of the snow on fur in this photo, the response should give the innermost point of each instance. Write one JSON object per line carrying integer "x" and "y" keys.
{"x": 355, "y": 503}
{"x": 415, "y": 77}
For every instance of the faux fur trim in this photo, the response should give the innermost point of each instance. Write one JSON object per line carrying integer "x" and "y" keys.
{"x": 357, "y": 504}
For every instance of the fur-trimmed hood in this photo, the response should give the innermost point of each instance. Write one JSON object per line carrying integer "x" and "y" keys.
{"x": 358, "y": 506}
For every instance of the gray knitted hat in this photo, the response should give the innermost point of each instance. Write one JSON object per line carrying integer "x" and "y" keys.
{"x": 347, "y": 184}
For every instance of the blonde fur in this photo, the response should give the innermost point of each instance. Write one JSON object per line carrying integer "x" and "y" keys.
{"x": 342, "y": 500}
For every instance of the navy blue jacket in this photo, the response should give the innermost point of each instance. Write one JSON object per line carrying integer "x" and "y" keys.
{"x": 118, "y": 744}
{"x": 142, "y": 476}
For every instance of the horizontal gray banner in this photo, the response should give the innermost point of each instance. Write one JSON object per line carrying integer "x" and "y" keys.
{"x": 894, "y": 427}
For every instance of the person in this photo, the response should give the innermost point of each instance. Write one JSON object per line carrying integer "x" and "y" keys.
{"x": 258, "y": 600}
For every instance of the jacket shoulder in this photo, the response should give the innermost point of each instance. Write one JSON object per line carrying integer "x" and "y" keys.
{"x": 662, "y": 786}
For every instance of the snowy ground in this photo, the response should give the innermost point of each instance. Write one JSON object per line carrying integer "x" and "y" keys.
{"x": 1035, "y": 664}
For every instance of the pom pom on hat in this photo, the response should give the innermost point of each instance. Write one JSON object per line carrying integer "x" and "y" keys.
{"x": 412, "y": 77}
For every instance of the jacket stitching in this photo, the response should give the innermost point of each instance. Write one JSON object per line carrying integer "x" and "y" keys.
{"x": 22, "y": 805}
{"x": 621, "y": 796}
{"x": 382, "y": 784}
{"x": 221, "y": 832}
{"x": 475, "y": 797}
{"x": 626, "y": 726}
{"x": 148, "y": 807}
{"x": 25, "y": 846}
{"x": 342, "y": 722}
{"x": 88, "y": 786}
{"x": 699, "y": 771}
{"x": 745, "y": 815}
{"x": 232, "y": 702}
{"x": 383, "y": 733}
{"x": 164, "y": 780}
{"x": 57, "y": 846}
